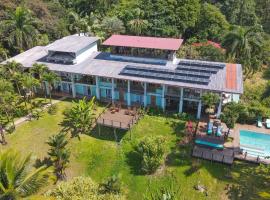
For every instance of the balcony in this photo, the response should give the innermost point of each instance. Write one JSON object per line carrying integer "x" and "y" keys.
{"x": 85, "y": 80}
{"x": 65, "y": 78}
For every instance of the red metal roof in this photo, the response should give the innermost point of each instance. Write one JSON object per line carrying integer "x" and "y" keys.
{"x": 144, "y": 42}
{"x": 231, "y": 76}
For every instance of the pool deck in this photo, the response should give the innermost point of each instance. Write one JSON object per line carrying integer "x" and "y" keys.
{"x": 254, "y": 128}
{"x": 232, "y": 146}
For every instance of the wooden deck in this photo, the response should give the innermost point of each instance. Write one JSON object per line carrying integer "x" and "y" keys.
{"x": 225, "y": 156}
{"x": 122, "y": 119}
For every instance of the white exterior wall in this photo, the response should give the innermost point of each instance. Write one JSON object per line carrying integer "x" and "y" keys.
{"x": 86, "y": 54}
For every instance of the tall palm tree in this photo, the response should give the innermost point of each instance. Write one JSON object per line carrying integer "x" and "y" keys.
{"x": 244, "y": 45}
{"x": 138, "y": 24}
{"x": 18, "y": 178}
{"x": 20, "y": 29}
{"x": 29, "y": 83}
{"x": 39, "y": 70}
{"x": 59, "y": 154}
{"x": 50, "y": 78}
{"x": 13, "y": 71}
{"x": 79, "y": 24}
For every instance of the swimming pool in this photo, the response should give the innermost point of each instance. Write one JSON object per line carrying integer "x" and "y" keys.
{"x": 255, "y": 144}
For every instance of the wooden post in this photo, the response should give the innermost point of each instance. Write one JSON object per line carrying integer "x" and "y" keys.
{"x": 114, "y": 131}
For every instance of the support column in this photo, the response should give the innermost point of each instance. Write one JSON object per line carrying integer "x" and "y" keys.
{"x": 145, "y": 95}
{"x": 199, "y": 111}
{"x": 61, "y": 86}
{"x": 163, "y": 102}
{"x": 97, "y": 88}
{"x": 113, "y": 95}
{"x": 47, "y": 89}
{"x": 181, "y": 100}
{"x": 73, "y": 86}
{"x": 128, "y": 94}
{"x": 219, "y": 106}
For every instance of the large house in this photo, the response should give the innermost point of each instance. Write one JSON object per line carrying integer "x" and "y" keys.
{"x": 134, "y": 70}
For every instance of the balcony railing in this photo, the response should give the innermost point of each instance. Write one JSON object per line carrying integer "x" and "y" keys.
{"x": 65, "y": 78}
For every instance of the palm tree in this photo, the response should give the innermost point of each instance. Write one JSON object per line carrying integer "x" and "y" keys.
{"x": 18, "y": 179}
{"x": 20, "y": 29}
{"x": 13, "y": 71}
{"x": 210, "y": 99}
{"x": 137, "y": 25}
{"x": 39, "y": 70}
{"x": 79, "y": 119}
{"x": 112, "y": 25}
{"x": 59, "y": 154}
{"x": 79, "y": 24}
{"x": 50, "y": 78}
{"x": 244, "y": 45}
{"x": 29, "y": 83}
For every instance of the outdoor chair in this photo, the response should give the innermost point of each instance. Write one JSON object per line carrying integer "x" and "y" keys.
{"x": 210, "y": 128}
{"x": 259, "y": 122}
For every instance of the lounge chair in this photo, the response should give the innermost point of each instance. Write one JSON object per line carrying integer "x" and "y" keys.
{"x": 259, "y": 122}
{"x": 219, "y": 131}
{"x": 267, "y": 123}
{"x": 210, "y": 144}
{"x": 209, "y": 128}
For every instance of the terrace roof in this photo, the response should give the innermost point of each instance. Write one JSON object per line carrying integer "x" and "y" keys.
{"x": 144, "y": 42}
{"x": 228, "y": 79}
{"x": 71, "y": 44}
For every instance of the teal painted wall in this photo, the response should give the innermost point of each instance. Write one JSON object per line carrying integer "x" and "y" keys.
{"x": 79, "y": 89}
{"x": 158, "y": 101}
{"x": 93, "y": 90}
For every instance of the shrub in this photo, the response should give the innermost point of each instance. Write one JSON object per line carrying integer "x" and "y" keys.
{"x": 112, "y": 184}
{"x": 80, "y": 188}
{"x": 52, "y": 109}
{"x": 151, "y": 151}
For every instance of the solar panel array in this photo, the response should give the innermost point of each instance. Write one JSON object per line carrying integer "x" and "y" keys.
{"x": 186, "y": 71}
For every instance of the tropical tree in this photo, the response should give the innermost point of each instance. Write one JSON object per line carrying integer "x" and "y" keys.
{"x": 18, "y": 178}
{"x": 50, "y": 78}
{"x": 80, "y": 118}
{"x": 29, "y": 84}
{"x": 8, "y": 102}
{"x": 151, "y": 151}
{"x": 39, "y": 70}
{"x": 210, "y": 99}
{"x": 244, "y": 45}
{"x": 20, "y": 29}
{"x": 13, "y": 71}
{"x": 112, "y": 25}
{"x": 79, "y": 24}
{"x": 3, "y": 54}
{"x": 138, "y": 24}
{"x": 59, "y": 154}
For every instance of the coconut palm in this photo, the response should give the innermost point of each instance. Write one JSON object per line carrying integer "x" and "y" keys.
{"x": 18, "y": 178}
{"x": 20, "y": 29}
{"x": 50, "y": 78}
{"x": 13, "y": 71}
{"x": 112, "y": 25}
{"x": 29, "y": 84}
{"x": 244, "y": 45}
{"x": 59, "y": 154}
{"x": 39, "y": 70}
{"x": 137, "y": 25}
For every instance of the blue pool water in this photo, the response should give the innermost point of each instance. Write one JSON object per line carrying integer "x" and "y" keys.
{"x": 255, "y": 144}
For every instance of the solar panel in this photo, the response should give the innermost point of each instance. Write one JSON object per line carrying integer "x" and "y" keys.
{"x": 165, "y": 74}
{"x": 202, "y": 64}
{"x": 173, "y": 72}
{"x": 197, "y": 69}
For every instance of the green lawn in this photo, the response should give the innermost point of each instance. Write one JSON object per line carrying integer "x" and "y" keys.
{"x": 100, "y": 157}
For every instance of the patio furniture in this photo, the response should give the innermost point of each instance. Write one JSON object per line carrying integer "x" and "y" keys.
{"x": 267, "y": 123}
{"x": 210, "y": 144}
{"x": 259, "y": 122}
{"x": 219, "y": 131}
{"x": 210, "y": 128}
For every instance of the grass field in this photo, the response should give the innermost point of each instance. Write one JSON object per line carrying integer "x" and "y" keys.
{"x": 100, "y": 157}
